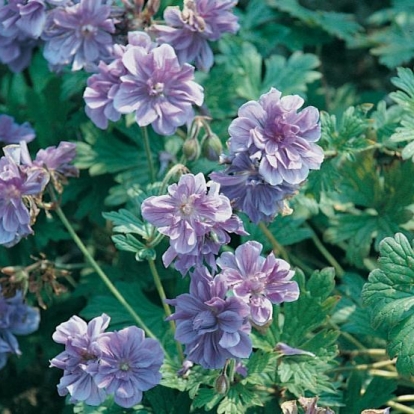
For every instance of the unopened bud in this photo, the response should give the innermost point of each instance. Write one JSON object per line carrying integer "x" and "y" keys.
{"x": 222, "y": 384}
{"x": 17, "y": 273}
{"x": 191, "y": 149}
{"x": 212, "y": 147}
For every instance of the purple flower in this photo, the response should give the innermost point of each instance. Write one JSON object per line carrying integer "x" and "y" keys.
{"x": 17, "y": 187}
{"x": 80, "y": 358}
{"x": 12, "y": 133}
{"x": 189, "y": 30}
{"x": 249, "y": 192}
{"x": 285, "y": 349}
{"x": 157, "y": 88}
{"x": 16, "y": 318}
{"x": 129, "y": 364}
{"x": 258, "y": 281}
{"x": 212, "y": 327}
{"x": 22, "y": 16}
{"x": 79, "y": 34}
{"x": 279, "y": 137}
{"x": 103, "y": 86}
{"x": 16, "y": 52}
{"x": 196, "y": 221}
{"x": 57, "y": 160}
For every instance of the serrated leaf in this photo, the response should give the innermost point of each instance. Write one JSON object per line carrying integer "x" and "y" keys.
{"x": 290, "y": 75}
{"x": 302, "y": 373}
{"x": 392, "y": 42}
{"x": 126, "y": 222}
{"x": 389, "y": 293}
{"x": 341, "y": 25}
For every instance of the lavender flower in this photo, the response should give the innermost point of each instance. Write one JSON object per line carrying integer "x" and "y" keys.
{"x": 212, "y": 327}
{"x": 157, "y": 89}
{"x": 189, "y": 30}
{"x": 22, "y": 16}
{"x": 80, "y": 358}
{"x": 280, "y": 138}
{"x": 249, "y": 192}
{"x": 100, "y": 92}
{"x": 12, "y": 133}
{"x": 287, "y": 350}
{"x": 57, "y": 160}
{"x": 129, "y": 364}
{"x": 79, "y": 34}
{"x": 16, "y": 318}
{"x": 103, "y": 86}
{"x": 16, "y": 52}
{"x": 17, "y": 187}
{"x": 258, "y": 281}
{"x": 196, "y": 221}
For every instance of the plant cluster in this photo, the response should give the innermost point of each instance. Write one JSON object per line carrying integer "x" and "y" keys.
{"x": 212, "y": 212}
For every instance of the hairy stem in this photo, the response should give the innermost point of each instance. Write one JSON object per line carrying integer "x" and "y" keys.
{"x": 400, "y": 407}
{"x": 278, "y": 249}
{"x": 163, "y": 297}
{"x": 327, "y": 255}
{"x": 147, "y": 147}
{"x": 101, "y": 274}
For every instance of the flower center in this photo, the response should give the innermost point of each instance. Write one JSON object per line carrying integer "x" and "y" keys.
{"x": 190, "y": 16}
{"x": 88, "y": 31}
{"x": 124, "y": 366}
{"x": 204, "y": 322}
{"x": 12, "y": 192}
{"x": 186, "y": 206}
{"x": 157, "y": 89}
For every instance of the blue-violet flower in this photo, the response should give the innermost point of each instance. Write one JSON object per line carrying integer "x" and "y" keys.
{"x": 279, "y": 137}
{"x": 189, "y": 30}
{"x": 129, "y": 364}
{"x": 212, "y": 327}
{"x": 258, "y": 281}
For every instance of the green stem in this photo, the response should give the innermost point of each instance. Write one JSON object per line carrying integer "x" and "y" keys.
{"x": 101, "y": 274}
{"x": 370, "y": 352}
{"x": 147, "y": 147}
{"x": 364, "y": 367}
{"x": 163, "y": 297}
{"x": 160, "y": 289}
{"x": 347, "y": 336}
{"x": 400, "y": 407}
{"x": 328, "y": 256}
{"x": 278, "y": 249}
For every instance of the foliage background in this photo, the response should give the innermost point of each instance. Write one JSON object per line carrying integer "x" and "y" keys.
{"x": 342, "y": 56}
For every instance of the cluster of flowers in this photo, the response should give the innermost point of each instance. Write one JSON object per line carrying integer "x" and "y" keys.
{"x": 214, "y": 318}
{"x": 23, "y": 180}
{"x": 80, "y": 33}
{"x": 97, "y": 363}
{"x": 154, "y": 80}
{"x": 16, "y": 318}
{"x": 272, "y": 149}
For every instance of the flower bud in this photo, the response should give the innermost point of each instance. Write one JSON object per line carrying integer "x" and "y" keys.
{"x": 222, "y": 384}
{"x": 191, "y": 149}
{"x": 212, "y": 147}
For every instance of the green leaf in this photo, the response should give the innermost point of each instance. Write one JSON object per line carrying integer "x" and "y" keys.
{"x": 389, "y": 293}
{"x": 290, "y": 75}
{"x": 308, "y": 314}
{"x": 405, "y": 100}
{"x": 242, "y": 60}
{"x": 376, "y": 203}
{"x": 392, "y": 43}
{"x": 126, "y": 222}
{"x": 152, "y": 315}
{"x": 359, "y": 396}
{"x": 341, "y": 25}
